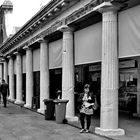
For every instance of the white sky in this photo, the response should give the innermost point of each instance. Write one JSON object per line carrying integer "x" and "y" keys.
{"x": 23, "y": 10}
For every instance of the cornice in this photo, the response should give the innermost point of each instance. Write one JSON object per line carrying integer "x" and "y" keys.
{"x": 44, "y": 16}
{"x": 82, "y": 11}
{"x": 91, "y": 7}
{"x": 65, "y": 28}
{"x": 49, "y": 31}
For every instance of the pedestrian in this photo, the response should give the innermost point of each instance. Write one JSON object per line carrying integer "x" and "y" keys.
{"x": 4, "y": 88}
{"x": 0, "y": 95}
{"x": 58, "y": 94}
{"x": 86, "y": 100}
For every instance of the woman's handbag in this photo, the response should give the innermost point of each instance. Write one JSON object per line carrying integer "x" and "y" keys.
{"x": 95, "y": 106}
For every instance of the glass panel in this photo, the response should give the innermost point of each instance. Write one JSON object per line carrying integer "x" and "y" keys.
{"x": 128, "y": 90}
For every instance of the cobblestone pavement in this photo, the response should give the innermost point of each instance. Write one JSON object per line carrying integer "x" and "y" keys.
{"x": 18, "y": 123}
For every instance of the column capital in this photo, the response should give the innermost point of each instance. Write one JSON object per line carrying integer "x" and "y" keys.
{"x": 17, "y": 53}
{"x": 4, "y": 59}
{"x": 10, "y": 56}
{"x": 27, "y": 48}
{"x": 42, "y": 40}
{"x": 108, "y": 6}
{"x": 65, "y": 28}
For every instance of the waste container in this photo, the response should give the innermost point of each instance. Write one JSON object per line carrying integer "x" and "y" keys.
{"x": 50, "y": 108}
{"x": 60, "y": 110}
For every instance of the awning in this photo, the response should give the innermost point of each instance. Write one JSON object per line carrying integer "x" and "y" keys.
{"x": 55, "y": 54}
{"x": 88, "y": 44}
{"x": 129, "y": 32}
{"x": 36, "y": 59}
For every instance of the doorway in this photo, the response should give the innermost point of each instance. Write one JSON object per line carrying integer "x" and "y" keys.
{"x": 55, "y": 82}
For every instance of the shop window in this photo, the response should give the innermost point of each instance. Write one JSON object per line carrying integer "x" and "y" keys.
{"x": 15, "y": 86}
{"x": 78, "y": 79}
{"x": 55, "y": 82}
{"x": 24, "y": 87}
{"x": 36, "y": 90}
{"x": 95, "y": 79}
{"x": 128, "y": 91}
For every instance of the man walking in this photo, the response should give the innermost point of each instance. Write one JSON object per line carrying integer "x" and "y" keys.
{"x": 5, "y": 91}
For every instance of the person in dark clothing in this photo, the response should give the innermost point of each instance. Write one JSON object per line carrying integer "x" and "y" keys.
{"x": 58, "y": 94}
{"x": 5, "y": 91}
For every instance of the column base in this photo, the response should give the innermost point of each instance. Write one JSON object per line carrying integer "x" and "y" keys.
{"x": 72, "y": 118}
{"x": 41, "y": 110}
{"x": 136, "y": 115}
{"x": 12, "y": 100}
{"x": 28, "y": 106}
{"x": 109, "y": 132}
{"x": 9, "y": 98}
{"x": 19, "y": 102}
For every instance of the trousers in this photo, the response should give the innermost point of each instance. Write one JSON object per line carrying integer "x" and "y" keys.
{"x": 4, "y": 100}
{"x": 82, "y": 120}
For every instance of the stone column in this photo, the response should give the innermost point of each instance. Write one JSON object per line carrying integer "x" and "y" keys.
{"x": 19, "y": 98}
{"x": 6, "y": 70}
{"x": 68, "y": 71}
{"x": 109, "y": 83}
{"x": 29, "y": 77}
{"x": 11, "y": 79}
{"x": 1, "y": 72}
{"x": 44, "y": 74}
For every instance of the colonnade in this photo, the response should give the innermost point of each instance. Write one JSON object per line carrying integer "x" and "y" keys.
{"x": 109, "y": 81}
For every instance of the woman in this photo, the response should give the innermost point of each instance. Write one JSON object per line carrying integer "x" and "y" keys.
{"x": 86, "y": 101}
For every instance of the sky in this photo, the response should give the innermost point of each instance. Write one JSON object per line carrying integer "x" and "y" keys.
{"x": 23, "y": 10}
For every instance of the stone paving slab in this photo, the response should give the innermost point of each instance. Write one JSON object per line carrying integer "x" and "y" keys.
{"x": 18, "y": 123}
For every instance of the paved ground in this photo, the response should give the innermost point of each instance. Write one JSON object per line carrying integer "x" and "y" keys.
{"x": 22, "y": 124}
{"x": 130, "y": 124}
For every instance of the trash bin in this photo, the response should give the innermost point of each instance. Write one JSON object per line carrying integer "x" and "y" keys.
{"x": 60, "y": 110}
{"x": 50, "y": 108}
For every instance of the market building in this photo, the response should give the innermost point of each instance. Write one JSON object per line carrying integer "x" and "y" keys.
{"x": 72, "y": 42}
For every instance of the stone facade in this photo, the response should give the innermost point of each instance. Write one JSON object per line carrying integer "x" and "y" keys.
{"x": 59, "y": 20}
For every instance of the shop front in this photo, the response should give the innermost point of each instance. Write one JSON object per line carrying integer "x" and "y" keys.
{"x": 36, "y": 90}
{"x": 55, "y": 82}
{"x": 87, "y": 53}
{"x": 55, "y": 67}
{"x": 88, "y": 74}
{"x": 128, "y": 85}
{"x": 36, "y": 77}
{"x": 129, "y": 52}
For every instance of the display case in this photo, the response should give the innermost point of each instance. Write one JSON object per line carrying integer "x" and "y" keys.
{"x": 128, "y": 90}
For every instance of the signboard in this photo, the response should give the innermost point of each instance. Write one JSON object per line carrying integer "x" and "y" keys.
{"x": 127, "y": 64}
{"x": 95, "y": 68}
